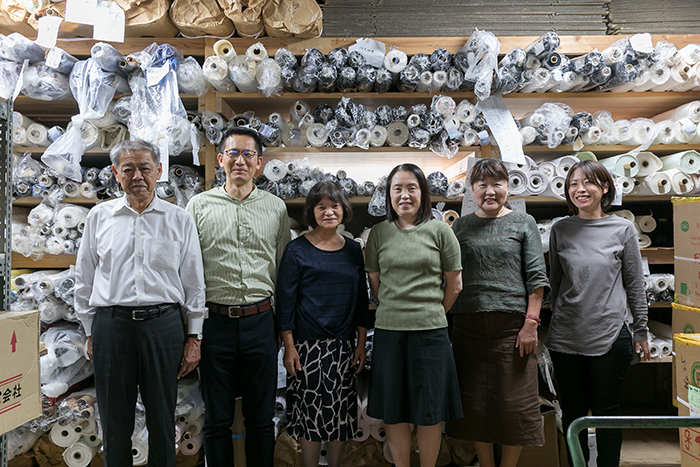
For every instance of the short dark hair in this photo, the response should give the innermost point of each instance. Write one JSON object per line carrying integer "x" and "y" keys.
{"x": 488, "y": 168}
{"x": 242, "y": 131}
{"x": 595, "y": 172}
{"x": 425, "y": 210}
{"x": 333, "y": 192}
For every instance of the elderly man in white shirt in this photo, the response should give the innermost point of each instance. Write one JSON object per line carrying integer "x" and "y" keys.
{"x": 140, "y": 297}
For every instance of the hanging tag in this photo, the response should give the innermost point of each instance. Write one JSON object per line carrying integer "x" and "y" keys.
{"x": 502, "y": 125}
{"x": 53, "y": 58}
{"x": 155, "y": 74}
{"x": 468, "y": 203}
{"x": 578, "y": 144}
{"x": 452, "y": 129}
{"x": 163, "y": 145}
{"x": 617, "y": 201}
{"x": 194, "y": 140}
{"x": 484, "y": 137}
{"x": 109, "y": 22}
{"x": 372, "y": 50}
{"x": 518, "y": 205}
{"x": 47, "y": 32}
{"x": 81, "y": 11}
{"x": 20, "y": 80}
{"x": 645, "y": 266}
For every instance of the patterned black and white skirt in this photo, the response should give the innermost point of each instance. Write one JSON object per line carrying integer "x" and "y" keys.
{"x": 322, "y": 398}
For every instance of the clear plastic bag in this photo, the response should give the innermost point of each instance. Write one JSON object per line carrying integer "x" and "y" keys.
{"x": 46, "y": 84}
{"x": 107, "y": 57}
{"x": 17, "y": 48}
{"x": 267, "y": 74}
{"x": 21, "y": 440}
{"x": 242, "y": 73}
{"x": 190, "y": 78}
{"x": 9, "y": 75}
{"x": 65, "y": 363}
{"x": 377, "y": 203}
{"x": 478, "y": 60}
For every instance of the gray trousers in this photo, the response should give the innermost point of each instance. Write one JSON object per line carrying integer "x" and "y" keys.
{"x": 130, "y": 356}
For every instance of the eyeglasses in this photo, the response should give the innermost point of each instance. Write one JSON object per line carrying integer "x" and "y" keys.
{"x": 248, "y": 154}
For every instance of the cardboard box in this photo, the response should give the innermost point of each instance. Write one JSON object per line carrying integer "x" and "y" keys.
{"x": 20, "y": 386}
{"x": 687, "y": 362}
{"x": 685, "y": 320}
{"x": 686, "y": 244}
{"x": 548, "y": 454}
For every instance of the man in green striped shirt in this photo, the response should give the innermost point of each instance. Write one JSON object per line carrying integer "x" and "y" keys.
{"x": 243, "y": 232}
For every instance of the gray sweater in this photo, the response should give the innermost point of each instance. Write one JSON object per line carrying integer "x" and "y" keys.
{"x": 596, "y": 270}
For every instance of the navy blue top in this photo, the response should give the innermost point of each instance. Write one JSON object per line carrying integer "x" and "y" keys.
{"x": 321, "y": 294}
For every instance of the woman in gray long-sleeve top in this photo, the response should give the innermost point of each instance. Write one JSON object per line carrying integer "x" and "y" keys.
{"x": 596, "y": 271}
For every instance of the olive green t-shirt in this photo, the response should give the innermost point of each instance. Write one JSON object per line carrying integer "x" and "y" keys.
{"x": 411, "y": 265}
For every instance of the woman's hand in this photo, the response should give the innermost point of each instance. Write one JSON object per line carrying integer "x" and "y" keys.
{"x": 291, "y": 360}
{"x": 359, "y": 358}
{"x": 527, "y": 338}
{"x": 642, "y": 347}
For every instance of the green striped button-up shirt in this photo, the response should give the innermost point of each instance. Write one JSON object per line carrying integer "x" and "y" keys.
{"x": 242, "y": 244}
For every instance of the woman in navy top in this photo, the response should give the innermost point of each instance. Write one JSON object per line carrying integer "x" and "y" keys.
{"x": 322, "y": 305}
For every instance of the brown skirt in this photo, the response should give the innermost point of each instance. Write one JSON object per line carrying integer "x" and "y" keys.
{"x": 498, "y": 387}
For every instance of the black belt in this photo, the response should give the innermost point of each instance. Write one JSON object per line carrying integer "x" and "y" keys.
{"x": 143, "y": 313}
{"x": 240, "y": 311}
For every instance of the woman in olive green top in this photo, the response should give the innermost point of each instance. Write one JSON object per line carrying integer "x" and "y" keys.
{"x": 413, "y": 377}
{"x": 495, "y": 321}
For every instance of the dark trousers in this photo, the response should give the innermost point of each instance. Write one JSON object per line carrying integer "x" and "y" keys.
{"x": 594, "y": 383}
{"x": 130, "y": 356}
{"x": 239, "y": 357}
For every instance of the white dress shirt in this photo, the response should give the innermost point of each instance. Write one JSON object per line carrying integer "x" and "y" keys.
{"x": 132, "y": 259}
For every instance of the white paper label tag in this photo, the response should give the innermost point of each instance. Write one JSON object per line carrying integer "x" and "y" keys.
{"x": 109, "y": 22}
{"x": 452, "y": 129}
{"x": 617, "y": 201}
{"x": 281, "y": 370}
{"x": 642, "y": 43}
{"x": 557, "y": 75}
{"x": 53, "y": 58}
{"x": 468, "y": 203}
{"x": 518, "y": 205}
{"x": 163, "y": 145}
{"x": 503, "y": 128}
{"x": 645, "y": 266}
{"x": 194, "y": 140}
{"x": 372, "y": 50}
{"x": 155, "y": 74}
{"x": 20, "y": 80}
{"x": 484, "y": 137}
{"x": 81, "y": 11}
{"x": 47, "y": 33}
{"x": 578, "y": 144}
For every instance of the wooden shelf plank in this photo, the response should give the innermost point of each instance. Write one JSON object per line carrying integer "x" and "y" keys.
{"x": 47, "y": 262}
{"x": 668, "y": 359}
{"x": 31, "y": 201}
{"x": 615, "y": 149}
{"x": 136, "y": 44}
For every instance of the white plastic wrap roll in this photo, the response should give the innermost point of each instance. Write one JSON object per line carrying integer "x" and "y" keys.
{"x": 190, "y": 447}
{"x": 536, "y": 182}
{"x": 466, "y": 111}
{"x": 378, "y": 432}
{"x": 38, "y": 135}
{"x": 224, "y": 49}
{"x": 658, "y": 183}
{"x": 687, "y": 161}
{"x": 256, "y": 52}
{"x": 79, "y": 454}
{"x": 64, "y": 436}
{"x": 592, "y": 136}
{"x": 363, "y": 430}
{"x": 681, "y": 182}
{"x": 517, "y": 182}
{"x": 648, "y": 164}
{"x": 623, "y": 165}
{"x": 644, "y": 241}
{"x": 139, "y": 451}
{"x": 563, "y": 164}
{"x": 556, "y": 188}
{"x": 215, "y": 71}
{"x": 625, "y": 214}
{"x": 275, "y": 170}
{"x": 395, "y": 61}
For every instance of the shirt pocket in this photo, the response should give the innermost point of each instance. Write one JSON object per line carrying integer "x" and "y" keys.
{"x": 164, "y": 254}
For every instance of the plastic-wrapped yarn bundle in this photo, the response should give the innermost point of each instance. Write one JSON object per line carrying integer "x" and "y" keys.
{"x": 242, "y": 72}
{"x": 305, "y": 79}
{"x": 418, "y": 138}
{"x": 312, "y": 58}
{"x": 286, "y": 58}
{"x": 356, "y": 59}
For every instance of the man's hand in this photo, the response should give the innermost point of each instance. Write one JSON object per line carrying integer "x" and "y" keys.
{"x": 190, "y": 357}
{"x": 88, "y": 349}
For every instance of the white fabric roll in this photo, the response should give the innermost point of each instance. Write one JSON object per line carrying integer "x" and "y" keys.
{"x": 621, "y": 131}
{"x": 64, "y": 436}
{"x": 386, "y": 451}
{"x": 592, "y": 136}
{"x": 79, "y": 454}
{"x": 215, "y": 71}
{"x": 395, "y": 61}
{"x": 378, "y": 432}
{"x": 19, "y": 120}
{"x": 471, "y": 137}
{"x": 527, "y": 165}
{"x": 548, "y": 168}
{"x": 317, "y": 135}
{"x": 658, "y": 74}
{"x": 647, "y": 224}
{"x": 242, "y": 70}
{"x": 466, "y": 112}
{"x": 85, "y": 426}
{"x": 224, "y": 49}
{"x": 363, "y": 430}
{"x": 648, "y": 164}
{"x": 19, "y": 136}
{"x": 665, "y": 132}
{"x": 377, "y": 136}
{"x": 193, "y": 428}
{"x": 397, "y": 134}
{"x": 256, "y": 52}
{"x": 556, "y": 188}
{"x": 686, "y": 131}
{"x": 413, "y": 121}
{"x": 536, "y": 182}
{"x": 644, "y": 241}
{"x": 623, "y": 165}
{"x": 658, "y": 183}
{"x": 528, "y": 135}
{"x": 139, "y": 451}
{"x": 298, "y": 110}
{"x": 275, "y": 170}
{"x": 627, "y": 184}
{"x": 654, "y": 349}
{"x": 517, "y": 182}
{"x": 190, "y": 447}
{"x": 681, "y": 182}
{"x": 687, "y": 161}
{"x": 625, "y": 214}
{"x": 643, "y": 131}
{"x": 426, "y": 78}
{"x": 38, "y": 135}
{"x": 563, "y": 164}
{"x": 280, "y": 406}
{"x": 91, "y": 440}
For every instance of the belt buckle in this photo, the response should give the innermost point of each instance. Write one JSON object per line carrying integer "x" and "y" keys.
{"x": 138, "y": 315}
{"x": 234, "y": 307}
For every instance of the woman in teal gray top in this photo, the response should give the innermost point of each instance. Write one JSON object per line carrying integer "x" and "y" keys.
{"x": 495, "y": 321}
{"x": 413, "y": 377}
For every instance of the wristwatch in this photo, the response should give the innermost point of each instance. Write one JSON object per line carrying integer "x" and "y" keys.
{"x": 197, "y": 336}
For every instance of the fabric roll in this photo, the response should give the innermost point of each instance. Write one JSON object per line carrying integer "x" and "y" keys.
{"x": 378, "y": 136}
{"x": 556, "y": 188}
{"x": 643, "y": 131}
{"x": 659, "y": 329}
{"x": 112, "y": 135}
{"x": 621, "y": 131}
{"x": 64, "y": 436}
{"x": 38, "y": 135}
{"x": 439, "y": 80}
{"x": 528, "y": 135}
{"x": 378, "y": 432}
{"x": 665, "y": 132}
{"x": 586, "y": 156}
{"x": 647, "y": 224}
{"x": 563, "y": 164}
{"x": 280, "y": 406}
{"x": 19, "y": 120}
{"x": 241, "y": 71}
{"x": 517, "y": 182}
{"x": 548, "y": 168}
{"x": 256, "y": 52}
{"x": 139, "y": 451}
{"x": 470, "y": 137}
{"x": 592, "y": 136}
{"x": 536, "y": 182}
{"x": 90, "y": 134}
{"x": 679, "y": 75}
{"x": 224, "y": 49}
{"x": 658, "y": 183}
{"x": 659, "y": 74}
{"x": 627, "y": 184}
{"x": 686, "y": 161}
{"x": 450, "y": 217}
{"x": 644, "y": 241}
{"x": 298, "y": 110}
{"x": 317, "y": 135}
{"x": 79, "y": 454}
{"x": 19, "y": 136}
{"x": 275, "y": 170}
{"x": 91, "y": 440}
{"x": 363, "y": 430}
{"x": 215, "y": 71}
{"x": 681, "y": 182}
{"x": 466, "y": 111}
{"x": 424, "y": 81}
{"x": 86, "y": 426}
{"x": 686, "y": 131}
{"x": 323, "y": 455}
{"x": 193, "y": 428}
{"x": 648, "y": 164}
{"x": 386, "y": 451}
{"x": 623, "y": 165}
{"x": 191, "y": 446}
{"x": 625, "y": 214}
{"x": 529, "y": 164}
{"x": 395, "y": 61}
{"x": 540, "y": 80}
{"x": 397, "y": 134}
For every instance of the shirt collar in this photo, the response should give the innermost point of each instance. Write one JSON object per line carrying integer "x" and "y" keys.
{"x": 253, "y": 194}
{"x": 123, "y": 204}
